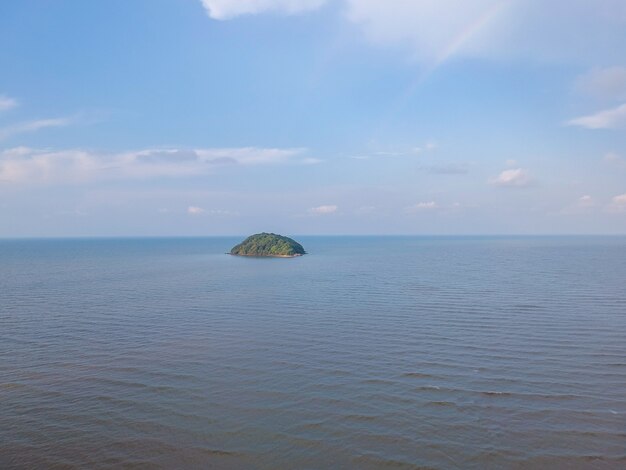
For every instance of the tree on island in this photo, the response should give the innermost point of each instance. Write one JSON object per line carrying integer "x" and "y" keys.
{"x": 268, "y": 244}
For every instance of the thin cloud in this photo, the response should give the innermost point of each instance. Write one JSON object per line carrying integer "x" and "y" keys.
{"x": 195, "y": 210}
{"x": 323, "y": 210}
{"x": 613, "y": 118}
{"x": 390, "y": 154}
{"x": 435, "y": 31}
{"x": 249, "y": 156}
{"x": 311, "y": 161}
{"x": 615, "y": 159}
{"x": 7, "y": 103}
{"x": 227, "y": 9}
{"x": 397, "y": 153}
{"x": 222, "y": 212}
{"x": 582, "y": 205}
{"x": 26, "y": 165}
{"x": 447, "y": 169}
{"x": 515, "y": 178}
{"x": 423, "y": 206}
{"x": 32, "y": 126}
{"x": 605, "y": 83}
{"x": 618, "y": 204}
{"x": 366, "y": 210}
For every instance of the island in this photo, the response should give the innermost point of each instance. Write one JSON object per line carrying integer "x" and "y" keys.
{"x": 268, "y": 245}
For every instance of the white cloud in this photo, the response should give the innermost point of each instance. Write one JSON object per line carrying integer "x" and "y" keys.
{"x": 7, "y": 103}
{"x": 605, "y": 83}
{"x": 194, "y": 210}
{"x": 323, "y": 210}
{"x": 516, "y": 177}
{"x": 423, "y": 206}
{"x": 32, "y": 126}
{"x": 226, "y": 9}
{"x": 618, "y": 204}
{"x": 579, "y": 31}
{"x": 25, "y": 165}
{"x": 608, "y": 119}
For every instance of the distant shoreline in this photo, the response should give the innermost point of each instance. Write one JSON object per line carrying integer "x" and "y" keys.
{"x": 267, "y": 256}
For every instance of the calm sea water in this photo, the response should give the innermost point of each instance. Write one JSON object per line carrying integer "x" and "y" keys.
{"x": 368, "y": 353}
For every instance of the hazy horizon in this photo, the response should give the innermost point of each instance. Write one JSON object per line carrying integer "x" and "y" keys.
{"x": 328, "y": 235}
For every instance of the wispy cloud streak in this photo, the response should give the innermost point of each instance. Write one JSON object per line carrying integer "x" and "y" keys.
{"x": 26, "y": 165}
{"x": 613, "y": 118}
{"x": 32, "y": 126}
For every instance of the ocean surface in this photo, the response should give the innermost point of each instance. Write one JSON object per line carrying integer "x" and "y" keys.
{"x": 368, "y": 353}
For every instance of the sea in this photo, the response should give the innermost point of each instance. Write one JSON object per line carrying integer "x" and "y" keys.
{"x": 367, "y": 353}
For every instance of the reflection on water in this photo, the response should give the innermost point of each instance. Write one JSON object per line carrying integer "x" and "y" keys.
{"x": 368, "y": 353}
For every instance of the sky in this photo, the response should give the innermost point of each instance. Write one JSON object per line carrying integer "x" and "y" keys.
{"x": 230, "y": 117}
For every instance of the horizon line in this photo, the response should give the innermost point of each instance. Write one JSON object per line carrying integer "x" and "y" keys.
{"x": 494, "y": 235}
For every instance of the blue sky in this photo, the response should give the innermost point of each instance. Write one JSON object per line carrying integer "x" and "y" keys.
{"x": 213, "y": 117}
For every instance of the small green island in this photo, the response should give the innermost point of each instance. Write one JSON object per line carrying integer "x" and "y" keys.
{"x": 268, "y": 245}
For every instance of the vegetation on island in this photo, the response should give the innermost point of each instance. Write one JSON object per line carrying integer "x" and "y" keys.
{"x": 268, "y": 244}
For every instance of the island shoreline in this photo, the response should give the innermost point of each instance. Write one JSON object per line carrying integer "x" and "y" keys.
{"x": 268, "y": 245}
